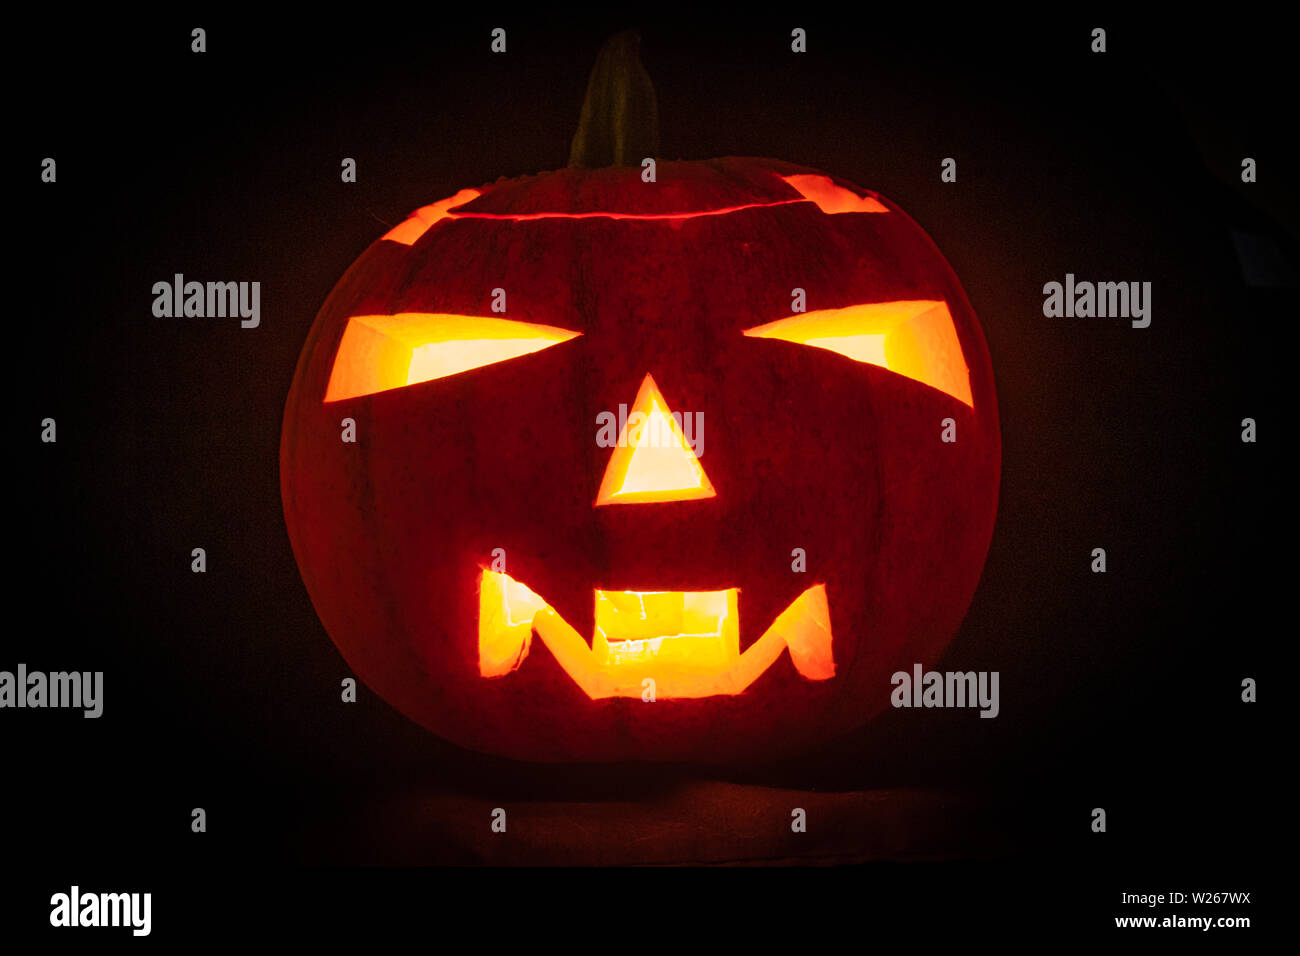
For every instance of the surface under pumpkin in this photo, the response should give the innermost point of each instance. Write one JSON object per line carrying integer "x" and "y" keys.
{"x": 499, "y": 573}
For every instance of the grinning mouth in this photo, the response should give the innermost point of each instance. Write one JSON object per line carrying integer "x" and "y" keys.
{"x": 687, "y": 643}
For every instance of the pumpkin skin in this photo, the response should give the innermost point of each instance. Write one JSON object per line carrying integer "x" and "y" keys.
{"x": 805, "y": 448}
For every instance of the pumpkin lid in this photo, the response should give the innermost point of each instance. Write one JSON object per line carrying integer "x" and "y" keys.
{"x": 680, "y": 188}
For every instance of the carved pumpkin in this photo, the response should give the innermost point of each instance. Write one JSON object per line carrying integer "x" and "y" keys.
{"x": 778, "y": 526}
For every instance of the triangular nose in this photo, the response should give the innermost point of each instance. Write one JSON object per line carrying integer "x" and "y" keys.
{"x": 652, "y": 460}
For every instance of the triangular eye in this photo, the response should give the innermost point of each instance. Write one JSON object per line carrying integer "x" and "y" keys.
{"x": 379, "y": 352}
{"x": 913, "y": 338}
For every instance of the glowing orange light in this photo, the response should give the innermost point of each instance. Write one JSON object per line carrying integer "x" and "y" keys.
{"x": 686, "y": 642}
{"x": 831, "y": 198}
{"x": 379, "y": 352}
{"x": 652, "y": 460}
{"x": 505, "y": 623}
{"x": 917, "y": 339}
{"x": 699, "y": 627}
{"x": 424, "y": 218}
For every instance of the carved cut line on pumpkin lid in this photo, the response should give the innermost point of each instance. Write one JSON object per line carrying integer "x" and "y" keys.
{"x": 686, "y": 642}
{"x": 828, "y": 196}
{"x": 915, "y": 338}
{"x": 424, "y": 218}
{"x": 382, "y": 352}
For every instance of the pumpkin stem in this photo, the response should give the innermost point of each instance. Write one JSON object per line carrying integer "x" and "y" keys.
{"x": 619, "y": 125}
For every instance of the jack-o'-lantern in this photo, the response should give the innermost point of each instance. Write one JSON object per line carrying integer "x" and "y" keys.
{"x": 618, "y": 489}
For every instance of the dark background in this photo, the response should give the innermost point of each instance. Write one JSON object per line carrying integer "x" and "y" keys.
{"x": 222, "y": 690}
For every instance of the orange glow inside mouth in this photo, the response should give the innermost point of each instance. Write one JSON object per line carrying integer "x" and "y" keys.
{"x": 679, "y": 643}
{"x": 684, "y": 630}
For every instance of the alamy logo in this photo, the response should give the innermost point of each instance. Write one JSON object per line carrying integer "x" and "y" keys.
{"x": 75, "y": 689}
{"x": 102, "y": 909}
{"x": 1103, "y": 300}
{"x": 946, "y": 689}
{"x": 655, "y": 429}
{"x": 210, "y": 300}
